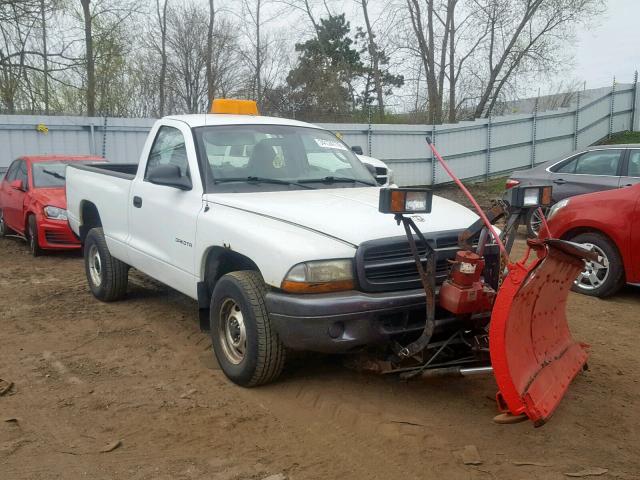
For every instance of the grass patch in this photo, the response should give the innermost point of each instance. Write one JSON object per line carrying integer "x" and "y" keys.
{"x": 622, "y": 137}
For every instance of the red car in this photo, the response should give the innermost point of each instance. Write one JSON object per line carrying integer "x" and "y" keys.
{"x": 33, "y": 203}
{"x": 609, "y": 221}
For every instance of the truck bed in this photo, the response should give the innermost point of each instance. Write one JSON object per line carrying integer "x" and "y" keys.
{"x": 104, "y": 188}
{"x": 121, "y": 170}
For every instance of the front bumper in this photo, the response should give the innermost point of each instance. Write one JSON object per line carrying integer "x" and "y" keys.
{"x": 56, "y": 235}
{"x": 346, "y": 321}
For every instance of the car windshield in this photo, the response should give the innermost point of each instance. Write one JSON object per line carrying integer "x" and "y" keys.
{"x": 276, "y": 157}
{"x": 50, "y": 174}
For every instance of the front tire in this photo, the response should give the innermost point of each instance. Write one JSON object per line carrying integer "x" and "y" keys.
{"x": 32, "y": 237}
{"x": 247, "y": 347}
{"x": 107, "y": 276}
{"x": 604, "y": 277}
{"x": 4, "y": 230}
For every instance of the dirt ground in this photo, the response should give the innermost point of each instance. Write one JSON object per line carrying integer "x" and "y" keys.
{"x": 139, "y": 372}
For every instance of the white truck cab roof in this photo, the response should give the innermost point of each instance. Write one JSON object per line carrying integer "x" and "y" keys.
{"x": 209, "y": 119}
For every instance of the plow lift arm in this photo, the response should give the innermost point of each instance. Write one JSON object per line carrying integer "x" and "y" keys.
{"x": 526, "y": 342}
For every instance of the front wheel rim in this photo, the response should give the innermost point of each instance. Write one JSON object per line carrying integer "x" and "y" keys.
{"x": 95, "y": 265}
{"x": 595, "y": 273}
{"x": 232, "y": 332}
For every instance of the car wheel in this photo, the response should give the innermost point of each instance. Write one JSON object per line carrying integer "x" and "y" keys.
{"x": 534, "y": 222}
{"x": 32, "y": 237}
{"x": 4, "y": 230}
{"x": 247, "y": 347}
{"x": 605, "y": 276}
{"x": 107, "y": 276}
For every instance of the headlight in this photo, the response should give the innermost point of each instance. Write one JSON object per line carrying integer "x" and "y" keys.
{"x": 55, "y": 213}
{"x": 558, "y": 206}
{"x": 320, "y": 276}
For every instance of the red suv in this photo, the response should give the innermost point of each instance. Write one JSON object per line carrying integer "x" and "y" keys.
{"x": 608, "y": 221}
{"x": 33, "y": 203}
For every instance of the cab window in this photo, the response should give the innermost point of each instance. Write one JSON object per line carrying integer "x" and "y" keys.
{"x": 598, "y": 162}
{"x": 12, "y": 172}
{"x": 634, "y": 163}
{"x": 168, "y": 149}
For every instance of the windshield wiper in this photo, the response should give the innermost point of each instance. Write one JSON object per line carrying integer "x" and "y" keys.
{"x": 252, "y": 179}
{"x": 331, "y": 179}
{"x": 54, "y": 174}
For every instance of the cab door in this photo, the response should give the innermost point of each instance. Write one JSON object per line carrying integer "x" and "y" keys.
{"x": 162, "y": 219}
{"x": 13, "y": 198}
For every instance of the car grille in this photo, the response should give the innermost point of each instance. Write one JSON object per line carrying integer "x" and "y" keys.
{"x": 387, "y": 264}
{"x": 56, "y": 237}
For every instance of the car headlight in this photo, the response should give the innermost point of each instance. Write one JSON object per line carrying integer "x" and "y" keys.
{"x": 320, "y": 276}
{"x": 55, "y": 213}
{"x": 557, "y": 207}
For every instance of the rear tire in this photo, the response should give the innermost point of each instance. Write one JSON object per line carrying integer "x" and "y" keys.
{"x": 602, "y": 278}
{"x": 107, "y": 276}
{"x": 32, "y": 237}
{"x": 247, "y": 347}
{"x": 534, "y": 222}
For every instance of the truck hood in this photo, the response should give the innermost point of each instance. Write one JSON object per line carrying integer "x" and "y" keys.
{"x": 348, "y": 214}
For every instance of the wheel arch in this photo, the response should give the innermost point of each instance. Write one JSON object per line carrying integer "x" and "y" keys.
{"x": 216, "y": 262}
{"x": 574, "y": 232}
{"x": 89, "y": 218}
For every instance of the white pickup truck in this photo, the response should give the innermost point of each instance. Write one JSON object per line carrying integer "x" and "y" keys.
{"x": 272, "y": 225}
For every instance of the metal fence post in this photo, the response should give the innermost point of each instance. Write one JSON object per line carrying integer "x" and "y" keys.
{"x": 633, "y": 101}
{"x": 92, "y": 146}
{"x": 369, "y": 133}
{"x": 488, "y": 163}
{"x": 576, "y": 128}
{"x": 104, "y": 138}
{"x": 434, "y": 162}
{"x": 611, "y": 106}
{"x": 534, "y": 125}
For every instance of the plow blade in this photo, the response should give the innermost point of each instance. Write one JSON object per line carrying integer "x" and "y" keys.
{"x": 533, "y": 355}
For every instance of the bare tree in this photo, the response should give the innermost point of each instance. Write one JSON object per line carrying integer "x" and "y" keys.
{"x": 162, "y": 22}
{"x": 210, "y": 40}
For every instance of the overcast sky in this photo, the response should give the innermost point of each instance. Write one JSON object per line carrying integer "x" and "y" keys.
{"x": 611, "y": 47}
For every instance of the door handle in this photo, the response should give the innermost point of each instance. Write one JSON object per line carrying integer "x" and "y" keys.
{"x": 559, "y": 181}
{"x": 137, "y": 202}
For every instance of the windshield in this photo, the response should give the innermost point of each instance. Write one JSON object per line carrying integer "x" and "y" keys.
{"x": 277, "y": 157}
{"x": 50, "y": 174}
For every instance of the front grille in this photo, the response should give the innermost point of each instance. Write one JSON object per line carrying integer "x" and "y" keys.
{"x": 56, "y": 237}
{"x": 387, "y": 264}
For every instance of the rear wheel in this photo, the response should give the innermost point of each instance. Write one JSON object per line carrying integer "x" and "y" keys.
{"x": 247, "y": 347}
{"x": 534, "y": 222}
{"x": 107, "y": 276}
{"x": 605, "y": 276}
{"x": 32, "y": 237}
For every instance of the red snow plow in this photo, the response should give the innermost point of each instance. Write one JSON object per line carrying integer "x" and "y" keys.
{"x": 509, "y": 320}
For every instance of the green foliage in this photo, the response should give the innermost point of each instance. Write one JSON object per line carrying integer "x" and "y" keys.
{"x": 327, "y": 69}
{"x": 622, "y": 137}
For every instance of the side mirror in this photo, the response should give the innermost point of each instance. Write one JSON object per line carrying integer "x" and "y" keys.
{"x": 357, "y": 149}
{"x": 169, "y": 176}
{"x": 17, "y": 185}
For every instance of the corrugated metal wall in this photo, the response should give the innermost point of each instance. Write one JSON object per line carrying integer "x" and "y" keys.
{"x": 483, "y": 147}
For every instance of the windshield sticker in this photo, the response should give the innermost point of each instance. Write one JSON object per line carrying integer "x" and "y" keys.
{"x": 330, "y": 144}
